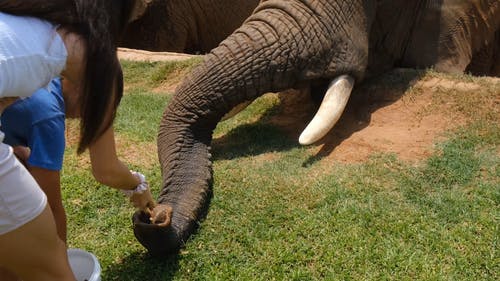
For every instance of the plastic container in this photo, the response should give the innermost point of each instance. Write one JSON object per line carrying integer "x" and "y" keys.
{"x": 85, "y": 265}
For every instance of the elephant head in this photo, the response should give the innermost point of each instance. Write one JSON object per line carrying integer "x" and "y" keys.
{"x": 286, "y": 44}
{"x": 188, "y": 26}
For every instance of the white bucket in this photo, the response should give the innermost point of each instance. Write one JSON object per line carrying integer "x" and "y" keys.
{"x": 85, "y": 265}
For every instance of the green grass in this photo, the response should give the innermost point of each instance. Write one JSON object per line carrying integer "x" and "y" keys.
{"x": 139, "y": 116}
{"x": 144, "y": 76}
{"x": 276, "y": 216}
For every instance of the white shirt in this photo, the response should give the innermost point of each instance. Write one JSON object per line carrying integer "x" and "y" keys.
{"x": 31, "y": 54}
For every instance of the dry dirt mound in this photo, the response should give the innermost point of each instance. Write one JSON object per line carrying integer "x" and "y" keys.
{"x": 404, "y": 112}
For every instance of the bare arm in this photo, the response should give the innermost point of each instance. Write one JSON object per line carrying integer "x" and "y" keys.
{"x": 110, "y": 171}
{"x": 106, "y": 167}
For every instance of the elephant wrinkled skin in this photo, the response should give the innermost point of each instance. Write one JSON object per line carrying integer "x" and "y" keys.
{"x": 289, "y": 43}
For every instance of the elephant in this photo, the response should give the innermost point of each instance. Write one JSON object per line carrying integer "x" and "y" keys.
{"x": 189, "y": 26}
{"x": 328, "y": 44}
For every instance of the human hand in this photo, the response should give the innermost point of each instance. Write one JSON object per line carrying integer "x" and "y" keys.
{"x": 141, "y": 197}
{"x": 22, "y": 153}
{"x": 5, "y": 102}
{"x": 143, "y": 200}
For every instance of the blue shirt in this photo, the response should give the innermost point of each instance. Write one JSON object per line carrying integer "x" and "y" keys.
{"x": 37, "y": 122}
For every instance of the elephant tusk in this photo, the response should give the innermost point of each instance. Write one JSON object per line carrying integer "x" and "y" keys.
{"x": 236, "y": 110}
{"x": 330, "y": 110}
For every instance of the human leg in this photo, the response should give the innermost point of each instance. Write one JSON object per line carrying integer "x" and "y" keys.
{"x": 29, "y": 244}
{"x": 50, "y": 182}
{"x": 35, "y": 252}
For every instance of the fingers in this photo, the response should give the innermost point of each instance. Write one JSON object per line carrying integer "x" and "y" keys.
{"x": 142, "y": 200}
{"x": 159, "y": 214}
{"x": 148, "y": 208}
{"x": 151, "y": 205}
{"x": 148, "y": 211}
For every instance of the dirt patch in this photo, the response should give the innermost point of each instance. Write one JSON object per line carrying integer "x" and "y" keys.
{"x": 140, "y": 55}
{"x": 143, "y": 154}
{"x": 405, "y": 117}
{"x": 404, "y": 112}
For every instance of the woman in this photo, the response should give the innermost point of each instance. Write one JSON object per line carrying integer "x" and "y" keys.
{"x": 77, "y": 44}
{"x": 35, "y": 128}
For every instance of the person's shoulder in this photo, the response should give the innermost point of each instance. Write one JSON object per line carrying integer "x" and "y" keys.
{"x": 41, "y": 97}
{"x": 55, "y": 88}
{"x": 55, "y": 84}
{"x": 47, "y": 103}
{"x": 49, "y": 93}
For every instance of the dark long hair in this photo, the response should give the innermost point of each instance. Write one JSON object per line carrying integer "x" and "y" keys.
{"x": 100, "y": 23}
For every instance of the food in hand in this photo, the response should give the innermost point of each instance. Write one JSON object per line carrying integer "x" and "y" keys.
{"x": 161, "y": 215}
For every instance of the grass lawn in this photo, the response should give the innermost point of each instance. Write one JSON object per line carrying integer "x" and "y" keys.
{"x": 276, "y": 215}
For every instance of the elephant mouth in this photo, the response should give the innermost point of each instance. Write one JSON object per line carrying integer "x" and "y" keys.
{"x": 158, "y": 240}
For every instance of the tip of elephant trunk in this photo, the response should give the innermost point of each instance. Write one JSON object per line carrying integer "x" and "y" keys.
{"x": 159, "y": 241}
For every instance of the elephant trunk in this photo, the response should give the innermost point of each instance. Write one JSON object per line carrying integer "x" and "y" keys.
{"x": 279, "y": 46}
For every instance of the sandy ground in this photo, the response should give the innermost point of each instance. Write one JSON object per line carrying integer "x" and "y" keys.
{"x": 382, "y": 123}
{"x": 140, "y": 55}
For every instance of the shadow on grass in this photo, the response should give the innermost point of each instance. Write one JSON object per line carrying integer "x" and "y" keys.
{"x": 374, "y": 93}
{"x": 251, "y": 139}
{"x": 279, "y": 128}
{"x": 139, "y": 266}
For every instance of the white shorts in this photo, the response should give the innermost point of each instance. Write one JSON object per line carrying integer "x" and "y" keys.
{"x": 21, "y": 199}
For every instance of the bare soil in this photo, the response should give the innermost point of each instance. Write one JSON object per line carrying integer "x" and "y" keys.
{"x": 382, "y": 123}
{"x": 399, "y": 115}
{"x": 140, "y": 55}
